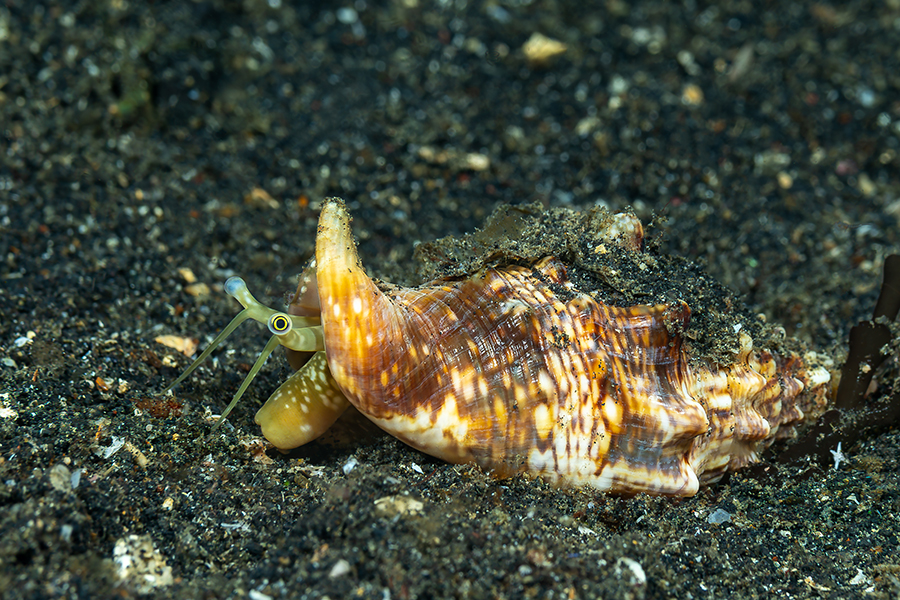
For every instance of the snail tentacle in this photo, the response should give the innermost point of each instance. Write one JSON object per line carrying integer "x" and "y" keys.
{"x": 259, "y": 312}
{"x": 294, "y": 332}
{"x": 266, "y": 351}
{"x": 235, "y": 323}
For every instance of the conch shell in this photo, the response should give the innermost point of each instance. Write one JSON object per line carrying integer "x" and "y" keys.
{"x": 516, "y": 370}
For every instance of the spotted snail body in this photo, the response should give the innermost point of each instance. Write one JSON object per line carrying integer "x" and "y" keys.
{"x": 516, "y": 370}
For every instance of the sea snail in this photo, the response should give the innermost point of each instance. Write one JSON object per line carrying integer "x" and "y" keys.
{"x": 514, "y": 369}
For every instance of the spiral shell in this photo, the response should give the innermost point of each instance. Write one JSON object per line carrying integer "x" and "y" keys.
{"x": 516, "y": 370}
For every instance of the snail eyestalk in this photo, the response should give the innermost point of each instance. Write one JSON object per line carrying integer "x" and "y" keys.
{"x": 296, "y": 333}
{"x": 303, "y": 339}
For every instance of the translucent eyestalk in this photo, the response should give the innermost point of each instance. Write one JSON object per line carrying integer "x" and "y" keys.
{"x": 293, "y": 332}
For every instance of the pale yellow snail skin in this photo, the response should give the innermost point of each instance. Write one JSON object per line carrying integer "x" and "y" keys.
{"x": 516, "y": 370}
{"x": 309, "y": 401}
{"x": 303, "y": 407}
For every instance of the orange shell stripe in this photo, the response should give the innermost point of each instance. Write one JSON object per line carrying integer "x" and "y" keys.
{"x": 516, "y": 371}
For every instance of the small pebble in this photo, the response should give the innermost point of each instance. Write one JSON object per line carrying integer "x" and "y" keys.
{"x": 349, "y": 465}
{"x": 65, "y": 533}
{"x": 692, "y": 95}
{"x": 540, "y": 51}
{"x": 197, "y": 289}
{"x": 186, "y": 346}
{"x": 139, "y": 565}
{"x": 478, "y": 162}
{"x": 116, "y": 445}
{"x": 260, "y": 198}
{"x": 61, "y": 478}
{"x": 391, "y": 506}
{"x": 340, "y": 568}
{"x": 719, "y": 516}
{"x": 785, "y": 181}
{"x": 187, "y": 275}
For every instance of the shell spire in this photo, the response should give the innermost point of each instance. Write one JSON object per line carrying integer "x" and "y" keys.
{"x": 356, "y": 315}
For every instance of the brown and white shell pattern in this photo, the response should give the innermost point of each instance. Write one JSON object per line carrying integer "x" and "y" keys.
{"x": 517, "y": 371}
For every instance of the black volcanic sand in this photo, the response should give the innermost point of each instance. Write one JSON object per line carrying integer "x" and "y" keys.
{"x": 145, "y": 145}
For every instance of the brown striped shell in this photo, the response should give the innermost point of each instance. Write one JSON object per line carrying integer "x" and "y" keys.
{"x": 516, "y": 370}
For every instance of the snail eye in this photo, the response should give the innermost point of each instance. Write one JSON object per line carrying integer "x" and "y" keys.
{"x": 280, "y": 324}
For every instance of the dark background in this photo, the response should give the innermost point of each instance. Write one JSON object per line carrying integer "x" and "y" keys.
{"x": 141, "y": 138}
